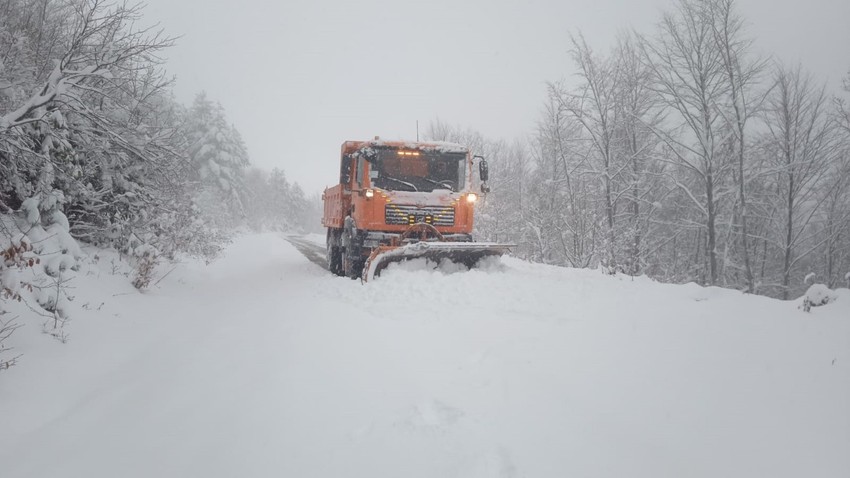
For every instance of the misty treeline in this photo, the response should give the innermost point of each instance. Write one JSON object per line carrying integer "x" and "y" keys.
{"x": 95, "y": 149}
{"x": 683, "y": 155}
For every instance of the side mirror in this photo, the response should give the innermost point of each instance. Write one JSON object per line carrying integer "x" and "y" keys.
{"x": 345, "y": 170}
{"x": 483, "y": 173}
{"x": 483, "y": 170}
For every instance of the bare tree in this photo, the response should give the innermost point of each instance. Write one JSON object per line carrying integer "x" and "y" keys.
{"x": 593, "y": 107}
{"x": 742, "y": 74}
{"x": 837, "y": 203}
{"x": 562, "y": 205}
{"x": 636, "y": 115}
{"x": 690, "y": 79}
{"x": 800, "y": 141}
{"x": 836, "y": 219}
{"x": 843, "y": 107}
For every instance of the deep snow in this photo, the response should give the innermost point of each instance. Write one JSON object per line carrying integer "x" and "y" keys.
{"x": 263, "y": 364}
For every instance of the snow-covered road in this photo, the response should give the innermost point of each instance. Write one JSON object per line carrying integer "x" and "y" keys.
{"x": 263, "y": 364}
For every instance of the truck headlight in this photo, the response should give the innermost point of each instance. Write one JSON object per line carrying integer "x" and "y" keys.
{"x": 471, "y": 197}
{"x": 370, "y": 193}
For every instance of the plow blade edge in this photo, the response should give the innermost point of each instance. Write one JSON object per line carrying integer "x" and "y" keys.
{"x": 467, "y": 253}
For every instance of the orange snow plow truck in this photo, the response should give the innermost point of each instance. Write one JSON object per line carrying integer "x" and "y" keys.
{"x": 401, "y": 200}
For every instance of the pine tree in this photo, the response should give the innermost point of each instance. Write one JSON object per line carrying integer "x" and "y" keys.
{"x": 218, "y": 159}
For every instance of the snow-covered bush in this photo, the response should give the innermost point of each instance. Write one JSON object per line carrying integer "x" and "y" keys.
{"x": 15, "y": 256}
{"x": 147, "y": 259}
{"x": 42, "y": 223}
{"x": 37, "y": 254}
{"x": 816, "y": 296}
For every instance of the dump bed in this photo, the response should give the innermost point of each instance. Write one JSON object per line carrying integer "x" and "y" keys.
{"x": 337, "y": 203}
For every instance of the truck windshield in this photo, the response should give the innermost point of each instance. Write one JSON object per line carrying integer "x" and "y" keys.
{"x": 397, "y": 170}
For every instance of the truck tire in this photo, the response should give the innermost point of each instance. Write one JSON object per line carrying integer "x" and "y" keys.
{"x": 352, "y": 261}
{"x": 334, "y": 252}
{"x": 354, "y": 269}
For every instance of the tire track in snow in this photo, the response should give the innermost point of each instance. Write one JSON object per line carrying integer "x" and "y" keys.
{"x": 312, "y": 251}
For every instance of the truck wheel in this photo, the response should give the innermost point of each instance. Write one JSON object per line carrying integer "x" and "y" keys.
{"x": 334, "y": 253}
{"x": 351, "y": 251}
{"x": 353, "y": 263}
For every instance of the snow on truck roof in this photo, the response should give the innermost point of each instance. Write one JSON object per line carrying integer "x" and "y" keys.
{"x": 439, "y": 146}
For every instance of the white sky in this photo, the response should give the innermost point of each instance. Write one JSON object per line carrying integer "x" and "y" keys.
{"x": 299, "y": 77}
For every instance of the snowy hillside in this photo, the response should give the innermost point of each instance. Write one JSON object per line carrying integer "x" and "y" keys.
{"x": 263, "y": 364}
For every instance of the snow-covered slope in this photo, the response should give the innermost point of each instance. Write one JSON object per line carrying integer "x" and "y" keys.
{"x": 263, "y": 364}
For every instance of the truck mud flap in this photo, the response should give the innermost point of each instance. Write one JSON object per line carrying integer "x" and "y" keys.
{"x": 467, "y": 253}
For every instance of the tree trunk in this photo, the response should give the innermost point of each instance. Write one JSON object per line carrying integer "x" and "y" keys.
{"x": 609, "y": 212}
{"x": 742, "y": 197}
{"x": 789, "y": 237}
{"x": 711, "y": 247}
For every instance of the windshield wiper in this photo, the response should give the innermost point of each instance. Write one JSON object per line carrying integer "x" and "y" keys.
{"x": 443, "y": 184}
{"x": 402, "y": 182}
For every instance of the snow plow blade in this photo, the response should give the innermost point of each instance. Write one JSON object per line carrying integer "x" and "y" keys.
{"x": 467, "y": 253}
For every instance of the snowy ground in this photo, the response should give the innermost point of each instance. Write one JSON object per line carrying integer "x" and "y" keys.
{"x": 263, "y": 364}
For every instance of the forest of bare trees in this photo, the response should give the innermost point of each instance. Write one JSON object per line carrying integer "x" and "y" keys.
{"x": 683, "y": 155}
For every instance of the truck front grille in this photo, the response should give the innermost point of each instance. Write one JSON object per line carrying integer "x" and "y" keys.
{"x": 434, "y": 215}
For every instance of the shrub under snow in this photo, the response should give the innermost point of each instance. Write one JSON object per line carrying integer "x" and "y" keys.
{"x": 817, "y": 295}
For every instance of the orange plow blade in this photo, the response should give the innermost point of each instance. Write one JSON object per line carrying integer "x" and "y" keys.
{"x": 467, "y": 253}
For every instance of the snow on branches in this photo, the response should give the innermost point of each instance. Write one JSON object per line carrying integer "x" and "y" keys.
{"x": 103, "y": 50}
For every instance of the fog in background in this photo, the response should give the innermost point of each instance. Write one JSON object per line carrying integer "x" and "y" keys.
{"x": 299, "y": 77}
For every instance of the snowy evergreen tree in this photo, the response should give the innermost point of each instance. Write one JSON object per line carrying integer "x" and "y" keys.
{"x": 218, "y": 159}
